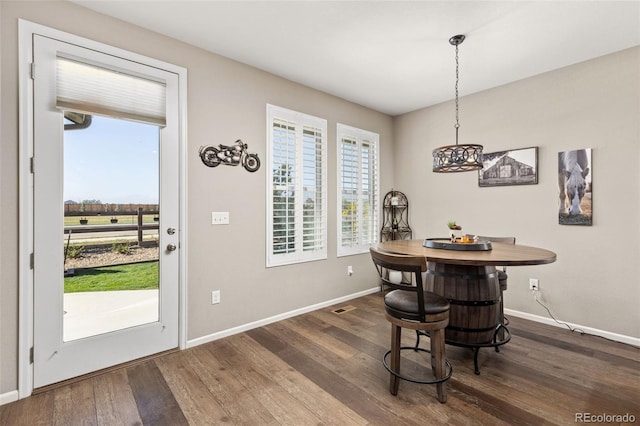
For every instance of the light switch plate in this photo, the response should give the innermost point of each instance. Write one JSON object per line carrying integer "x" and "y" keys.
{"x": 219, "y": 218}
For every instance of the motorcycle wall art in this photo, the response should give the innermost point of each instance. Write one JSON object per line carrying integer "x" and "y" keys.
{"x": 213, "y": 156}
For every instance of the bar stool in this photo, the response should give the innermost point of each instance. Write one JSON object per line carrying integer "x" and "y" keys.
{"x": 409, "y": 306}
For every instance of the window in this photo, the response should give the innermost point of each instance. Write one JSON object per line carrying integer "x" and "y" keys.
{"x": 358, "y": 192}
{"x": 296, "y": 187}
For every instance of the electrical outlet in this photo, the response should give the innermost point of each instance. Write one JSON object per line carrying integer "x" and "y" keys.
{"x": 215, "y": 297}
{"x": 533, "y": 284}
{"x": 219, "y": 218}
{"x": 349, "y": 270}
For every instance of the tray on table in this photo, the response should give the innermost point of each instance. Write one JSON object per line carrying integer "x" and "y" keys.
{"x": 446, "y": 244}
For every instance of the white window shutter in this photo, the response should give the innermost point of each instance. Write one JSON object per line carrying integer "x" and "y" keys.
{"x": 358, "y": 190}
{"x": 349, "y": 177}
{"x": 296, "y": 187}
{"x": 313, "y": 208}
{"x": 283, "y": 189}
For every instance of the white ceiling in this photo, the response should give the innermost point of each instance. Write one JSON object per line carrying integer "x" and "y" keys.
{"x": 392, "y": 56}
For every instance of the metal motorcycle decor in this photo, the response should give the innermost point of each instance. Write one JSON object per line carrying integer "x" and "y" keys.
{"x": 230, "y": 155}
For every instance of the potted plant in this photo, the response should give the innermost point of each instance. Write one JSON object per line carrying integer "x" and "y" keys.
{"x": 114, "y": 219}
{"x": 84, "y": 221}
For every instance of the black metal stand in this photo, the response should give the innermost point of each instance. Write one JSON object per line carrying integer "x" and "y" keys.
{"x": 395, "y": 222}
{"x": 395, "y": 217}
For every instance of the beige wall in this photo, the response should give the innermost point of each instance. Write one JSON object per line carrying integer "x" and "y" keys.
{"x": 226, "y": 101}
{"x": 595, "y": 104}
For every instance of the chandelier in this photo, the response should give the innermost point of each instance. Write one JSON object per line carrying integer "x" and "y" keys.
{"x": 457, "y": 158}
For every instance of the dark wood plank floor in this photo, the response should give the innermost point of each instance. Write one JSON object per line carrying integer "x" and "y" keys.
{"x": 325, "y": 368}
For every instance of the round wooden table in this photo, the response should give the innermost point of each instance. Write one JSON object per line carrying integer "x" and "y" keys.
{"x": 501, "y": 254}
{"x": 469, "y": 280}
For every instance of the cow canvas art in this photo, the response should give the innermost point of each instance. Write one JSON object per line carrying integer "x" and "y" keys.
{"x": 575, "y": 184}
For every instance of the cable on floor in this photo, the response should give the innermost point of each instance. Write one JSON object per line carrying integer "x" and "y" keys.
{"x": 572, "y": 329}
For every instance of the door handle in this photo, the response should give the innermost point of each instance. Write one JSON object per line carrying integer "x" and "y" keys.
{"x": 171, "y": 247}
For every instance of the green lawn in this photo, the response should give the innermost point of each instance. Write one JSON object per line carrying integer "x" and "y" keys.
{"x": 137, "y": 276}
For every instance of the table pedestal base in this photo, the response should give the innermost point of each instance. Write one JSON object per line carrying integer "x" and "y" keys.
{"x": 473, "y": 293}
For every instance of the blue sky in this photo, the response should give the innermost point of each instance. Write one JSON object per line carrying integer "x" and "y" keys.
{"x": 114, "y": 161}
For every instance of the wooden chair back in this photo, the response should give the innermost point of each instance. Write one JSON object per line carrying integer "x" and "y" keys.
{"x": 385, "y": 261}
{"x": 506, "y": 240}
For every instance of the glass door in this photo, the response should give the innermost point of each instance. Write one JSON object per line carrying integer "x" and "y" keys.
{"x": 105, "y": 212}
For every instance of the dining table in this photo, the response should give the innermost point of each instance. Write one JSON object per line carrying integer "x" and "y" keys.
{"x": 468, "y": 279}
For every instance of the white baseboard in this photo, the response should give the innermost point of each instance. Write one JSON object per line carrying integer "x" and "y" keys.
{"x": 276, "y": 318}
{"x": 8, "y": 397}
{"x": 602, "y": 333}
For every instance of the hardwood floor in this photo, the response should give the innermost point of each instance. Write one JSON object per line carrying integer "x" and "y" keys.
{"x": 325, "y": 368}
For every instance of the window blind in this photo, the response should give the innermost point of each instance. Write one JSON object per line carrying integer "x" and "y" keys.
{"x": 284, "y": 190}
{"x": 313, "y": 208}
{"x": 296, "y": 210}
{"x": 92, "y": 89}
{"x": 349, "y": 193}
{"x": 369, "y": 192}
{"x": 358, "y": 190}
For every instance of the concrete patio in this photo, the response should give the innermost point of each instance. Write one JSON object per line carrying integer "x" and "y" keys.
{"x": 91, "y": 313}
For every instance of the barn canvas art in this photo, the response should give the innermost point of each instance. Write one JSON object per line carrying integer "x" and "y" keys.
{"x": 514, "y": 167}
{"x": 574, "y": 184}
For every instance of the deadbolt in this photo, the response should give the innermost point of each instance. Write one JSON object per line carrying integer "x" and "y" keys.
{"x": 171, "y": 231}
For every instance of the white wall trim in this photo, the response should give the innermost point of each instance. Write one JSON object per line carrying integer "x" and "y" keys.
{"x": 596, "y": 332}
{"x": 182, "y": 197}
{"x": 25, "y": 236}
{"x": 8, "y": 397}
{"x": 255, "y": 324}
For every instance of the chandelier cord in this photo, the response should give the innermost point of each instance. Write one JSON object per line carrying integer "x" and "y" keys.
{"x": 457, "y": 125}
{"x": 457, "y": 158}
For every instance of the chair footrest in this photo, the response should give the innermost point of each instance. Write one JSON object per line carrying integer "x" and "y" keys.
{"x": 412, "y": 379}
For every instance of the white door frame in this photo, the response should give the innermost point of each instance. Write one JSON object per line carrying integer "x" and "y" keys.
{"x": 26, "y": 194}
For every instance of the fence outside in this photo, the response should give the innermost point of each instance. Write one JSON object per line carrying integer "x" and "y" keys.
{"x": 85, "y": 209}
{"x": 115, "y": 227}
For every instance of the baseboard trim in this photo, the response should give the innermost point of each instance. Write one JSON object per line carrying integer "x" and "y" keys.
{"x": 634, "y": 341}
{"x": 8, "y": 397}
{"x": 255, "y": 324}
